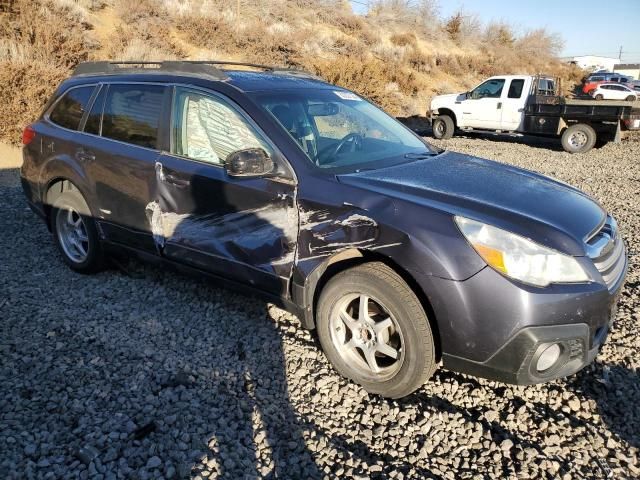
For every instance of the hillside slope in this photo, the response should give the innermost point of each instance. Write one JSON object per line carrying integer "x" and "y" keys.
{"x": 398, "y": 56}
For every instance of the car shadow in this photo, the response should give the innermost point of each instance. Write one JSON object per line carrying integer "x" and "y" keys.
{"x": 150, "y": 387}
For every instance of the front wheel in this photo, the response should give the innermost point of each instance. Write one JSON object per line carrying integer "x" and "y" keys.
{"x": 579, "y": 138}
{"x": 631, "y": 98}
{"x": 373, "y": 329}
{"x": 443, "y": 127}
{"x": 598, "y": 97}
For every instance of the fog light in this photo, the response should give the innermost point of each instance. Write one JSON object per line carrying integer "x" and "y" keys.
{"x": 548, "y": 357}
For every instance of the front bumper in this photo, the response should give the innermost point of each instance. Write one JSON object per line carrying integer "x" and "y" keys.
{"x": 496, "y": 328}
{"x": 516, "y": 361}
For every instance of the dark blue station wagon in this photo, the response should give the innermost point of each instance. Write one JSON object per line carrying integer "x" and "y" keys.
{"x": 401, "y": 256}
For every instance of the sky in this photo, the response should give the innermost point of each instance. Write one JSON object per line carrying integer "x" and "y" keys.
{"x": 588, "y": 27}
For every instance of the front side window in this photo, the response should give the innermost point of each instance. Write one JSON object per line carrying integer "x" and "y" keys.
{"x": 488, "y": 89}
{"x": 339, "y": 129}
{"x": 69, "y": 110}
{"x": 515, "y": 89}
{"x": 207, "y": 128}
{"x": 132, "y": 114}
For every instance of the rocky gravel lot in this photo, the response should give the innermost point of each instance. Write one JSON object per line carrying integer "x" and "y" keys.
{"x": 143, "y": 373}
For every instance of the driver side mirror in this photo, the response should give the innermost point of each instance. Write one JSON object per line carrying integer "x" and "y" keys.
{"x": 467, "y": 95}
{"x": 249, "y": 162}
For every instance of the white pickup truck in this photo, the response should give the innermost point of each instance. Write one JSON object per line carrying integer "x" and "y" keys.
{"x": 526, "y": 104}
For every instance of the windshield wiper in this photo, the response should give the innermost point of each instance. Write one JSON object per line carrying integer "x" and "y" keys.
{"x": 420, "y": 155}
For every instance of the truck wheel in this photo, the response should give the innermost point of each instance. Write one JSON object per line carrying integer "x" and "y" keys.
{"x": 75, "y": 233}
{"x": 579, "y": 138}
{"x": 598, "y": 97}
{"x": 374, "y": 330}
{"x": 631, "y": 98}
{"x": 443, "y": 127}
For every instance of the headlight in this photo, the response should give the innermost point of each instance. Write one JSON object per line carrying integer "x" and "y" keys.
{"x": 520, "y": 258}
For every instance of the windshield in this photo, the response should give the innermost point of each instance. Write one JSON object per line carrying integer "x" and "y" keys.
{"x": 339, "y": 129}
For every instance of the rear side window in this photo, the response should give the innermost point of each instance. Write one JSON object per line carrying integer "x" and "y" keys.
{"x": 132, "y": 114}
{"x": 68, "y": 111}
{"x": 515, "y": 89}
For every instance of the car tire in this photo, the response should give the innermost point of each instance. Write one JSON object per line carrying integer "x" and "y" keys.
{"x": 395, "y": 321}
{"x": 598, "y": 96}
{"x": 579, "y": 138}
{"x": 443, "y": 127}
{"x": 631, "y": 98}
{"x": 75, "y": 233}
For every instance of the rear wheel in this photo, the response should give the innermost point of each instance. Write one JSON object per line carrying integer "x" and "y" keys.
{"x": 631, "y": 98}
{"x": 374, "y": 330}
{"x": 599, "y": 96}
{"x": 75, "y": 233}
{"x": 443, "y": 127}
{"x": 579, "y": 138}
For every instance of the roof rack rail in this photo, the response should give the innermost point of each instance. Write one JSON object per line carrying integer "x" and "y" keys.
{"x": 110, "y": 67}
{"x": 201, "y": 67}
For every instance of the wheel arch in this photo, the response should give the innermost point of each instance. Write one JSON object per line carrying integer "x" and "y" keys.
{"x": 449, "y": 112}
{"x": 53, "y": 189}
{"x": 351, "y": 258}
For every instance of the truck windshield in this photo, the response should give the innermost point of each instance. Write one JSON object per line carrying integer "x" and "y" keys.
{"x": 337, "y": 129}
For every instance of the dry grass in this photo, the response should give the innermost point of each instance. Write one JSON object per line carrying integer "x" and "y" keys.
{"x": 399, "y": 55}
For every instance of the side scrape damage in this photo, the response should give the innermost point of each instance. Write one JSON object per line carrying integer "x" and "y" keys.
{"x": 323, "y": 233}
{"x": 263, "y": 237}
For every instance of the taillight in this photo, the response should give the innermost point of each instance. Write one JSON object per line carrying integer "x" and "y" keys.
{"x": 28, "y": 135}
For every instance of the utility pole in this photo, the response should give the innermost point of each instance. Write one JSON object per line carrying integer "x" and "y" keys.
{"x": 620, "y": 53}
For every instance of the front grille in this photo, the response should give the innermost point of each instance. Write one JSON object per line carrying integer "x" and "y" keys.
{"x": 606, "y": 249}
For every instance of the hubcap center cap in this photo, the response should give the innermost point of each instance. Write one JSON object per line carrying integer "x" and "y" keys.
{"x": 365, "y": 334}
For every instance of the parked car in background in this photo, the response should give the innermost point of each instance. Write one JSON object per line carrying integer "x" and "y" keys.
{"x": 593, "y": 80}
{"x": 399, "y": 254}
{"x": 614, "y": 91}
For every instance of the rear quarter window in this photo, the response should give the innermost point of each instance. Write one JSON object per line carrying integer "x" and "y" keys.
{"x": 68, "y": 111}
{"x": 132, "y": 114}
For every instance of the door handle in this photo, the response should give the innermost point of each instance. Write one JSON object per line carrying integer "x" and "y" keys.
{"x": 177, "y": 181}
{"x": 170, "y": 178}
{"x": 85, "y": 156}
{"x": 499, "y": 105}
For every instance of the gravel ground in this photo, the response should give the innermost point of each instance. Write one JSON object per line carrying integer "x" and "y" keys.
{"x": 143, "y": 373}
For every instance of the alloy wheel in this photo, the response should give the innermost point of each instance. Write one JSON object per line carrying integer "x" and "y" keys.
{"x": 367, "y": 336}
{"x": 72, "y": 233}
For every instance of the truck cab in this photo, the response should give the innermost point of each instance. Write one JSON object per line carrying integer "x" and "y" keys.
{"x": 498, "y": 103}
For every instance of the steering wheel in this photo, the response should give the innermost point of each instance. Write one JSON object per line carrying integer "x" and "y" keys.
{"x": 354, "y": 138}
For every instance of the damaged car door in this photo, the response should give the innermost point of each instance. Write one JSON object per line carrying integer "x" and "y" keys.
{"x": 124, "y": 133}
{"x": 240, "y": 224}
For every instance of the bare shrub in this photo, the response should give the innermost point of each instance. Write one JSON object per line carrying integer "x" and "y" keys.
{"x": 539, "y": 43}
{"x": 24, "y": 89}
{"x": 404, "y": 39}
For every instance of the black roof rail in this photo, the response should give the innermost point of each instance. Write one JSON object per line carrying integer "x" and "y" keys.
{"x": 200, "y": 67}
{"x": 129, "y": 66}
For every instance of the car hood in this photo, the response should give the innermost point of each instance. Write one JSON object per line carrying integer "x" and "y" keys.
{"x": 547, "y": 211}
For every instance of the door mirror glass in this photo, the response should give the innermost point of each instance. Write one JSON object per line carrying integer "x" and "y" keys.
{"x": 249, "y": 162}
